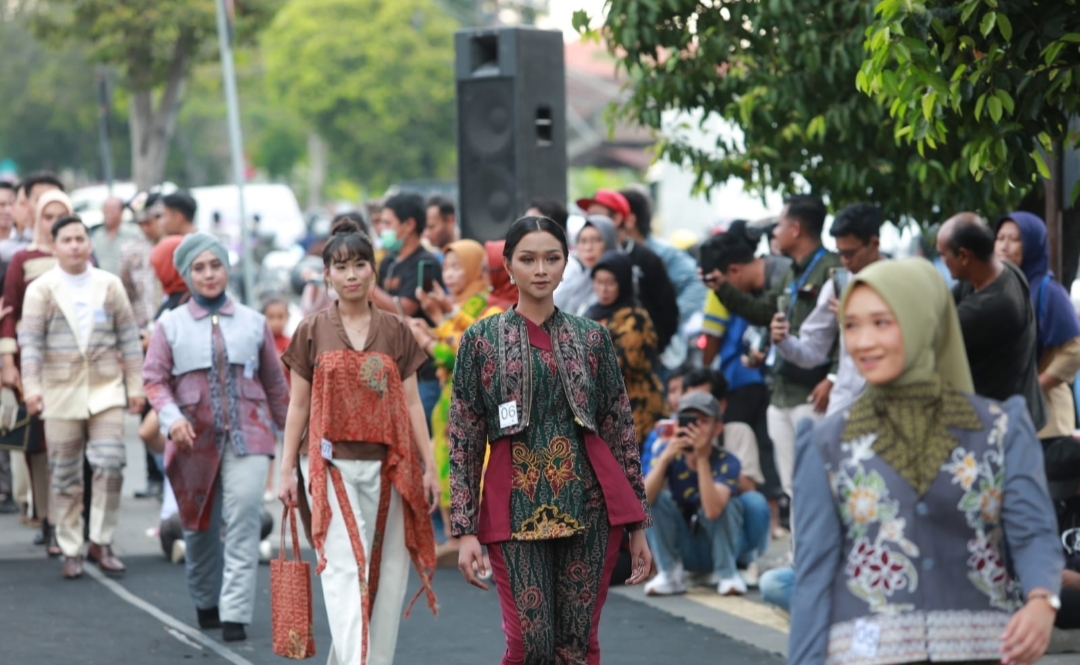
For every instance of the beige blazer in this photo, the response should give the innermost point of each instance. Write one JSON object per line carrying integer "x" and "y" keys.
{"x": 77, "y": 381}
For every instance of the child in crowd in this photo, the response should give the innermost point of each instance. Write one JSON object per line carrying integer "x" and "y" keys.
{"x": 276, "y": 311}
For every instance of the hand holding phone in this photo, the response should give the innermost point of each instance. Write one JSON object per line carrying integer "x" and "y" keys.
{"x": 685, "y": 421}
{"x": 426, "y": 275}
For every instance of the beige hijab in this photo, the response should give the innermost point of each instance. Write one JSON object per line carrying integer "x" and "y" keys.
{"x": 913, "y": 415}
{"x": 43, "y": 237}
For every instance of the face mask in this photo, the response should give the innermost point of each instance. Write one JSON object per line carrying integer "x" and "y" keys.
{"x": 390, "y": 241}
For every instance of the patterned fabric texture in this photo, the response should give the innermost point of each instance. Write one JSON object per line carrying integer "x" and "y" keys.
{"x": 555, "y": 587}
{"x": 359, "y": 396}
{"x": 635, "y": 343}
{"x": 912, "y": 425}
{"x": 553, "y": 479}
{"x": 495, "y": 367}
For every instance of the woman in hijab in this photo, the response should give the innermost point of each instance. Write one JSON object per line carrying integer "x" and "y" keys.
{"x": 465, "y": 302}
{"x": 213, "y": 376}
{"x": 1022, "y": 241}
{"x": 575, "y": 294}
{"x": 26, "y": 266}
{"x": 504, "y": 293}
{"x": 919, "y": 502}
{"x": 634, "y": 337}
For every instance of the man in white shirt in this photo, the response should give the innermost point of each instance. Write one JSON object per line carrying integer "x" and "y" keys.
{"x": 857, "y": 230}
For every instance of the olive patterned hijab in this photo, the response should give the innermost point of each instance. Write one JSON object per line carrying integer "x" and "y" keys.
{"x": 913, "y": 414}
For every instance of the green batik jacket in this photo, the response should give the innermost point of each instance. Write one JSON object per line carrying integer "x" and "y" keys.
{"x": 494, "y": 369}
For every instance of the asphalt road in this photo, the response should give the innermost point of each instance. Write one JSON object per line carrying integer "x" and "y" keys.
{"x": 51, "y": 620}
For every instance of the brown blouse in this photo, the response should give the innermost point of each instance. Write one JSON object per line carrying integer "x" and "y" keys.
{"x": 323, "y": 331}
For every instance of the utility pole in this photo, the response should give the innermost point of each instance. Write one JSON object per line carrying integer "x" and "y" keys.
{"x": 236, "y": 143}
{"x": 102, "y": 85}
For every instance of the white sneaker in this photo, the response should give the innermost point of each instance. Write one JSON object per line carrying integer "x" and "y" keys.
{"x": 731, "y": 586}
{"x": 666, "y": 584}
{"x": 179, "y": 549}
{"x": 750, "y": 575}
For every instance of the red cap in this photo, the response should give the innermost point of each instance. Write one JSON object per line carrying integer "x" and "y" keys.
{"x": 609, "y": 199}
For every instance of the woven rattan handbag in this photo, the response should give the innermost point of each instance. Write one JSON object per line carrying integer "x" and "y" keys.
{"x": 290, "y": 598}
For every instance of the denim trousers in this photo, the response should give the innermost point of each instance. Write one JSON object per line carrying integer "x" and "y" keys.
{"x": 739, "y": 535}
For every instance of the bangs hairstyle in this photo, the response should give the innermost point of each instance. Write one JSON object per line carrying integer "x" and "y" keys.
{"x": 532, "y": 224}
{"x": 347, "y": 242}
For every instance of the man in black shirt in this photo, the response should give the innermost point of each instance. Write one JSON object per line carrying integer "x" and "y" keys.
{"x": 995, "y": 312}
{"x": 404, "y": 216}
{"x": 655, "y": 290}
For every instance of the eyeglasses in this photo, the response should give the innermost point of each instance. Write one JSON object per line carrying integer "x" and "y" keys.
{"x": 850, "y": 253}
{"x": 590, "y": 241}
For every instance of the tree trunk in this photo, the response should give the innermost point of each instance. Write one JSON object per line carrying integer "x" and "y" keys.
{"x": 152, "y": 128}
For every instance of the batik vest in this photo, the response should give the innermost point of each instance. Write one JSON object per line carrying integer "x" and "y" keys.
{"x": 920, "y": 577}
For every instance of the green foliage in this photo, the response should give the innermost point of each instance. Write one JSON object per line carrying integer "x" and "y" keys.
{"x": 143, "y": 37}
{"x": 374, "y": 77}
{"x": 49, "y": 107}
{"x": 783, "y": 73}
{"x": 996, "y": 79}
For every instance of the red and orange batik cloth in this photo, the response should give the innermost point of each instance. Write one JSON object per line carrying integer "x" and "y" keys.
{"x": 359, "y": 396}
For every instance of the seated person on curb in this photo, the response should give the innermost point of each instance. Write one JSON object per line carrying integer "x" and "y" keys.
{"x": 691, "y": 482}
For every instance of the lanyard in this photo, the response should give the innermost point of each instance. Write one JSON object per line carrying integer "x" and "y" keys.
{"x": 796, "y": 285}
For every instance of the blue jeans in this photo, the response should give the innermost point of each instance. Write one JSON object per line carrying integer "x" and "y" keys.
{"x": 776, "y": 586}
{"x": 754, "y": 538}
{"x": 714, "y": 546}
{"x": 430, "y": 391}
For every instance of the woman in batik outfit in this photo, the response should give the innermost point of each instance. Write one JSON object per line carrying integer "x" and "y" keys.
{"x": 563, "y": 481}
{"x": 212, "y": 374}
{"x": 925, "y": 531}
{"x": 464, "y": 302}
{"x": 634, "y": 337}
{"x": 370, "y": 468}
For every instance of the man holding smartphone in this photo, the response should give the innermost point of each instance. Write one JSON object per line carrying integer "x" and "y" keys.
{"x": 797, "y": 393}
{"x": 691, "y": 483}
{"x": 402, "y": 273}
{"x": 857, "y": 229}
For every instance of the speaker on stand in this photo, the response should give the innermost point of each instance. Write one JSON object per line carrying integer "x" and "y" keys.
{"x": 511, "y": 106}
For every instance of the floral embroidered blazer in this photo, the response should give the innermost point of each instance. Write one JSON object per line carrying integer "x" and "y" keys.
{"x": 493, "y": 369}
{"x": 885, "y": 576}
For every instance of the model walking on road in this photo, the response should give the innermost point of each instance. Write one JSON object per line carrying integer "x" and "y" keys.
{"x": 370, "y": 466}
{"x": 925, "y": 531}
{"x": 212, "y": 374}
{"x": 563, "y": 481}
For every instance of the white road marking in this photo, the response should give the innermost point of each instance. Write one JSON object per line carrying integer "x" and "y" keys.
{"x": 167, "y": 619}
{"x": 183, "y": 638}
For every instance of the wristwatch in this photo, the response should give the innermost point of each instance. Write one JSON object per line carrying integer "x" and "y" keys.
{"x": 831, "y": 378}
{"x": 1051, "y": 599}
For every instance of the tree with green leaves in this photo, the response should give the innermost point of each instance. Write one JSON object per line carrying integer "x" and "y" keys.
{"x": 48, "y": 110}
{"x": 375, "y": 79}
{"x": 996, "y": 80}
{"x": 153, "y": 45}
{"x": 999, "y": 78}
{"x": 782, "y": 73}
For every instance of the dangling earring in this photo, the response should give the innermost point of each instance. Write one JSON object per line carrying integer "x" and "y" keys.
{"x": 512, "y": 282}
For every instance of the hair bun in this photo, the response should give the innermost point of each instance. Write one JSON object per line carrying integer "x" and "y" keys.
{"x": 345, "y": 224}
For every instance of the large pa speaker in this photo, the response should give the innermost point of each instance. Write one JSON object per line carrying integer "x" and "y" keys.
{"x": 511, "y": 109}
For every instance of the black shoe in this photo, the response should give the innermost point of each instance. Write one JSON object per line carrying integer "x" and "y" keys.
{"x": 8, "y": 506}
{"x": 233, "y": 632}
{"x": 153, "y": 491}
{"x": 208, "y": 618}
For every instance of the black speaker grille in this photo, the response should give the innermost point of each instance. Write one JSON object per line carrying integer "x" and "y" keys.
{"x": 488, "y": 180}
